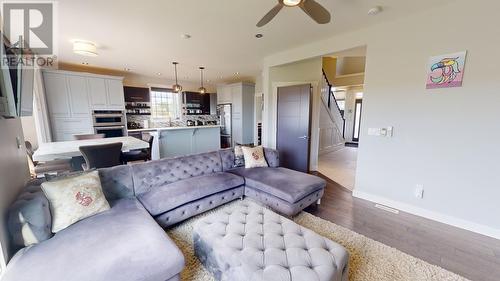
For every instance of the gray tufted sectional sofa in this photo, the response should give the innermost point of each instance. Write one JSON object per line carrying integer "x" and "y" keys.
{"x": 127, "y": 242}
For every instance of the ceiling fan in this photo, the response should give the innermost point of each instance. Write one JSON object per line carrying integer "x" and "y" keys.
{"x": 312, "y": 8}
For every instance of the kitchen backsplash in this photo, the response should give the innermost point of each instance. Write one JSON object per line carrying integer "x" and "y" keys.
{"x": 174, "y": 123}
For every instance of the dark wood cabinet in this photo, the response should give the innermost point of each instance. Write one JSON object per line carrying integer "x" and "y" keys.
{"x": 197, "y": 104}
{"x": 136, "y": 94}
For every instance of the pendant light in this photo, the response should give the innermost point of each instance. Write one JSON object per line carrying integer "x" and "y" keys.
{"x": 177, "y": 88}
{"x": 202, "y": 89}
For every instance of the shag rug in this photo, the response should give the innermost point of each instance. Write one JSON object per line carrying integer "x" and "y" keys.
{"x": 369, "y": 260}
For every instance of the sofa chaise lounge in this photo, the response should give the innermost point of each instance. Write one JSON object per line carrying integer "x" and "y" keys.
{"x": 125, "y": 243}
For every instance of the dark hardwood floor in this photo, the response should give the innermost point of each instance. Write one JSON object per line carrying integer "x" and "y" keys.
{"x": 471, "y": 255}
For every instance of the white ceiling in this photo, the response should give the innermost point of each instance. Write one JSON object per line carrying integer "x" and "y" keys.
{"x": 145, "y": 35}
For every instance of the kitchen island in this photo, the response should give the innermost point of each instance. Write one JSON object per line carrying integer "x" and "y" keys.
{"x": 179, "y": 141}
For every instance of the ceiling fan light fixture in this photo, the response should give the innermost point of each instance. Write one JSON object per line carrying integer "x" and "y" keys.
{"x": 292, "y": 3}
{"x": 176, "y": 87}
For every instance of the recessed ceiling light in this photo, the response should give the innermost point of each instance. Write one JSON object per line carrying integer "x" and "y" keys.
{"x": 375, "y": 11}
{"x": 208, "y": 80}
{"x": 259, "y": 35}
{"x": 158, "y": 73}
{"x": 85, "y": 48}
{"x": 185, "y": 36}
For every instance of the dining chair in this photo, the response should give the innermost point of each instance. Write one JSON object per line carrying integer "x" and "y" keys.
{"x": 89, "y": 136}
{"x": 139, "y": 155}
{"x": 78, "y": 161}
{"x": 54, "y": 166}
{"x": 102, "y": 156}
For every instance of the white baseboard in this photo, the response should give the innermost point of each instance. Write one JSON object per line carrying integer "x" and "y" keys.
{"x": 446, "y": 219}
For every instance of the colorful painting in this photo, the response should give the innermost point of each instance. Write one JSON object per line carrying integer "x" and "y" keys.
{"x": 446, "y": 71}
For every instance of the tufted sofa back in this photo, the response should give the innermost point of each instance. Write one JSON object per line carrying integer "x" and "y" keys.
{"x": 30, "y": 219}
{"x": 227, "y": 157}
{"x": 149, "y": 175}
{"x": 117, "y": 182}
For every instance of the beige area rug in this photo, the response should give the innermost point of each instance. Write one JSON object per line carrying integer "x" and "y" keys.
{"x": 369, "y": 259}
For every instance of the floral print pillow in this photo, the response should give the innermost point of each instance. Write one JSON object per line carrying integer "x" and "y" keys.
{"x": 74, "y": 199}
{"x": 254, "y": 157}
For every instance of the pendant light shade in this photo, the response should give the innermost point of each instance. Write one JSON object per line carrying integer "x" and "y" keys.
{"x": 176, "y": 87}
{"x": 202, "y": 89}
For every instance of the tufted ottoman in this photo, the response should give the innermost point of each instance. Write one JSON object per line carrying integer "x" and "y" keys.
{"x": 247, "y": 242}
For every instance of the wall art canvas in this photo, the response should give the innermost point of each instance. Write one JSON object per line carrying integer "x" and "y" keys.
{"x": 446, "y": 71}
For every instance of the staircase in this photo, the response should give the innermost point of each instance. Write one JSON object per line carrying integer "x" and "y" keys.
{"x": 332, "y": 135}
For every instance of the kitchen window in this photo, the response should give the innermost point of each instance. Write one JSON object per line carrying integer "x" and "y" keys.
{"x": 165, "y": 104}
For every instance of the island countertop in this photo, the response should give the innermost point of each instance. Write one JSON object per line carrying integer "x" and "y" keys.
{"x": 178, "y": 141}
{"x": 174, "y": 128}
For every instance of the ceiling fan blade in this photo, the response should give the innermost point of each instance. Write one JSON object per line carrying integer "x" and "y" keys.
{"x": 270, "y": 15}
{"x": 317, "y": 12}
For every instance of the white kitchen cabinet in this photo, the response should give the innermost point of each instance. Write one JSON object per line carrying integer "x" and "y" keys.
{"x": 115, "y": 94}
{"x": 241, "y": 96}
{"x": 237, "y": 98}
{"x": 71, "y": 97}
{"x": 106, "y": 93}
{"x": 98, "y": 92}
{"x": 57, "y": 94}
{"x": 224, "y": 94}
{"x": 78, "y": 94}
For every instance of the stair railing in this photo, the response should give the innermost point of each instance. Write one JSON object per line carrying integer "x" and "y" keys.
{"x": 331, "y": 97}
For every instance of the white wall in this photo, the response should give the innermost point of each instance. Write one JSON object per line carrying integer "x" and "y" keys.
{"x": 442, "y": 139}
{"x": 29, "y": 130}
{"x": 13, "y": 175}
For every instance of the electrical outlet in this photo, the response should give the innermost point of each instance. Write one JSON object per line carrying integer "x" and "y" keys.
{"x": 419, "y": 191}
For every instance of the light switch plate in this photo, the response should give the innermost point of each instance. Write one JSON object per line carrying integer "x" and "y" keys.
{"x": 374, "y": 132}
{"x": 390, "y": 131}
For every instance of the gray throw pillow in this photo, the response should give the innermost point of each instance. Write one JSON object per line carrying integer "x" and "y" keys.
{"x": 239, "y": 159}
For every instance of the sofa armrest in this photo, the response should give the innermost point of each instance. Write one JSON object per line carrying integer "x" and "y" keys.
{"x": 29, "y": 218}
{"x": 272, "y": 157}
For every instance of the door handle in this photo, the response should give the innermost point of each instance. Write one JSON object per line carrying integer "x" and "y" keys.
{"x": 304, "y": 137}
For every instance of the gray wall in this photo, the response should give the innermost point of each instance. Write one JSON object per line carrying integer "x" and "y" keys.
{"x": 446, "y": 139}
{"x": 13, "y": 173}
{"x": 442, "y": 139}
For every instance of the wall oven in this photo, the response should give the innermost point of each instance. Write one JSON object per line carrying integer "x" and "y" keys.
{"x": 111, "y": 123}
{"x": 105, "y": 118}
{"x": 111, "y": 132}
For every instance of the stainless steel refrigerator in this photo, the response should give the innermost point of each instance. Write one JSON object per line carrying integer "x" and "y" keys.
{"x": 224, "y": 111}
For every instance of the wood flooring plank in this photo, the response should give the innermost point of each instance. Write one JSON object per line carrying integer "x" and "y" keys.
{"x": 471, "y": 255}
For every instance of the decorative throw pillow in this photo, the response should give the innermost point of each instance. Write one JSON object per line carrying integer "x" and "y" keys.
{"x": 73, "y": 199}
{"x": 254, "y": 157}
{"x": 239, "y": 159}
